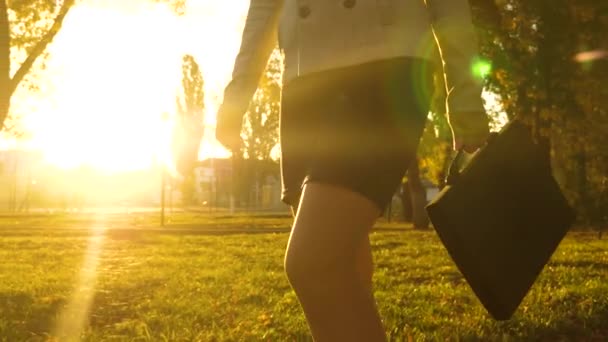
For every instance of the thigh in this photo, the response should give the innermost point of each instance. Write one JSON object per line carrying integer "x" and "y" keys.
{"x": 330, "y": 227}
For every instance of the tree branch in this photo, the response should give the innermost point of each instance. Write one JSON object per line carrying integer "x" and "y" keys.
{"x": 40, "y": 47}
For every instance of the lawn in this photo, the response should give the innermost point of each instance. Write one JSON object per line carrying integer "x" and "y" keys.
{"x": 71, "y": 276}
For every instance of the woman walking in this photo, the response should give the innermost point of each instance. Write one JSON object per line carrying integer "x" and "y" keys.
{"x": 356, "y": 92}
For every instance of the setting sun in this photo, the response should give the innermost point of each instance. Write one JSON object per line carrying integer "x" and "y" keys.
{"x": 107, "y": 96}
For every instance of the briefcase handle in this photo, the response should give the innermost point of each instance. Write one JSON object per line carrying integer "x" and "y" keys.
{"x": 453, "y": 170}
{"x": 456, "y": 164}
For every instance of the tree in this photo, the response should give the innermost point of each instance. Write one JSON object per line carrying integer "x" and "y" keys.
{"x": 261, "y": 123}
{"x": 260, "y": 132}
{"x": 27, "y": 27}
{"x": 548, "y": 69}
{"x": 432, "y": 158}
{"x": 189, "y": 125}
{"x": 413, "y": 197}
{"x": 535, "y": 47}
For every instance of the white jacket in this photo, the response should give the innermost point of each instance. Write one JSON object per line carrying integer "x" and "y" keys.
{"x": 317, "y": 35}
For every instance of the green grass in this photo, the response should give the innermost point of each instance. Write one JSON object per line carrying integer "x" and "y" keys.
{"x": 178, "y": 220}
{"x": 179, "y": 285}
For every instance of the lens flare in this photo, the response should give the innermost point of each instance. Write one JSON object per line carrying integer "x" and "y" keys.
{"x": 590, "y": 56}
{"x": 481, "y": 68}
{"x": 74, "y": 317}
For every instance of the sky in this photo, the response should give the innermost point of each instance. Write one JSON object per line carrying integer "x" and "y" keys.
{"x": 114, "y": 69}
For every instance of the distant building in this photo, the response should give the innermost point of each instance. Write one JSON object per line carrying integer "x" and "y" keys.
{"x": 213, "y": 179}
{"x": 432, "y": 190}
{"x": 256, "y": 184}
{"x": 28, "y": 182}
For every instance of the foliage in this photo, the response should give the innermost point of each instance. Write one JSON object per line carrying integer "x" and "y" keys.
{"x": 26, "y": 28}
{"x": 540, "y": 76}
{"x": 537, "y": 71}
{"x": 261, "y": 124}
{"x": 260, "y": 134}
{"x": 31, "y": 20}
{"x": 183, "y": 285}
{"x": 435, "y": 147}
{"x": 189, "y": 125}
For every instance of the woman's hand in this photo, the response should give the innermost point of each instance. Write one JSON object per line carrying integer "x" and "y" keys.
{"x": 228, "y": 128}
{"x": 470, "y": 130}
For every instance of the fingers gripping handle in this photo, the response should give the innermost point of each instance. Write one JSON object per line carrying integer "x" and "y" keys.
{"x": 457, "y": 162}
{"x": 454, "y": 169}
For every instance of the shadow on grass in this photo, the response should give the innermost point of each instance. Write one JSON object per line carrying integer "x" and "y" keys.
{"x": 570, "y": 327}
{"x": 581, "y": 264}
{"x": 285, "y": 215}
{"x": 193, "y": 229}
{"x": 110, "y": 307}
{"x": 23, "y": 317}
{"x": 139, "y": 233}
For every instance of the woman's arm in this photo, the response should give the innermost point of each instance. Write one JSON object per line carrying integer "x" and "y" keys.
{"x": 457, "y": 40}
{"x": 455, "y": 35}
{"x": 259, "y": 39}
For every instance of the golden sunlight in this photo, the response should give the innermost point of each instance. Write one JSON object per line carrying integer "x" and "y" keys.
{"x": 72, "y": 319}
{"x": 108, "y": 94}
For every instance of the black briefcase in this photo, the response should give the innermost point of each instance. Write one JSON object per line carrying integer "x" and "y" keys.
{"x": 501, "y": 218}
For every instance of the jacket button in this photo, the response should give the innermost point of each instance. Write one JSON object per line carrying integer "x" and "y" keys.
{"x": 349, "y": 3}
{"x": 304, "y": 12}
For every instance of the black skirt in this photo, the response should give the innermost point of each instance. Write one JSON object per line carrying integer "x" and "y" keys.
{"x": 357, "y": 127}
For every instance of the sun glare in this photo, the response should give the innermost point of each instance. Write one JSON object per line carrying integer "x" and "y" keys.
{"x": 72, "y": 319}
{"x": 112, "y": 77}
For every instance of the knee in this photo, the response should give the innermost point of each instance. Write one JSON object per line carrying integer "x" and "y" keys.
{"x": 306, "y": 270}
{"x": 299, "y": 268}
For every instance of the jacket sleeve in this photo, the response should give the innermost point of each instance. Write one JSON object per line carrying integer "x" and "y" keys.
{"x": 458, "y": 46}
{"x": 258, "y": 40}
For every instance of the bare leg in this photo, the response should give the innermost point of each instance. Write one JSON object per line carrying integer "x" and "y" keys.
{"x": 326, "y": 251}
{"x": 364, "y": 260}
{"x": 365, "y": 264}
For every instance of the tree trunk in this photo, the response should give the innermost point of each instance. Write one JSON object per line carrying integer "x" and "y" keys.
{"x": 406, "y": 202}
{"x": 5, "y": 63}
{"x": 418, "y": 196}
{"x": 586, "y": 203}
